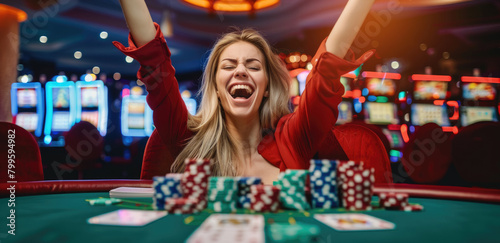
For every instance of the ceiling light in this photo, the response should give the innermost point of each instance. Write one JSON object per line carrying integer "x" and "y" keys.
{"x": 250, "y": 6}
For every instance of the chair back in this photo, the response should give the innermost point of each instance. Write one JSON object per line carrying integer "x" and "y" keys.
{"x": 19, "y": 148}
{"x": 427, "y": 155}
{"x": 475, "y": 153}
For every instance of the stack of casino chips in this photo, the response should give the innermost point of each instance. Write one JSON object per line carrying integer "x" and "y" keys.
{"x": 194, "y": 183}
{"x": 323, "y": 181}
{"x": 165, "y": 187}
{"x": 264, "y": 198}
{"x": 292, "y": 184}
{"x": 357, "y": 185}
{"x": 244, "y": 184}
{"x": 222, "y": 194}
{"x": 397, "y": 201}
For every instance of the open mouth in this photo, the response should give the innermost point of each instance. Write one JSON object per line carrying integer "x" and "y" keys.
{"x": 241, "y": 91}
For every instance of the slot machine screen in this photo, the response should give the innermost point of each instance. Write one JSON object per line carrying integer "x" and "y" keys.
{"x": 422, "y": 114}
{"x": 135, "y": 118}
{"x": 381, "y": 87}
{"x": 27, "y": 120}
{"x": 430, "y": 90}
{"x": 60, "y": 97}
{"x": 473, "y": 114}
{"x": 345, "y": 113}
{"x": 135, "y": 122}
{"x": 380, "y": 113}
{"x": 26, "y": 98}
{"x": 60, "y": 121}
{"x": 136, "y": 107}
{"x": 89, "y": 97}
{"x": 479, "y": 91}
{"x": 91, "y": 116}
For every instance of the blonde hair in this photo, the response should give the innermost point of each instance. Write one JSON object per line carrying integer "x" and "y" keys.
{"x": 211, "y": 139}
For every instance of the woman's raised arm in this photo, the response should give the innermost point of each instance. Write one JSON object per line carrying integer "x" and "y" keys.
{"x": 347, "y": 27}
{"x": 139, "y": 21}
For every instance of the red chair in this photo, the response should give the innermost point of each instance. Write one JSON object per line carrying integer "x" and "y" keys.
{"x": 476, "y": 153}
{"x": 427, "y": 155}
{"x": 27, "y": 161}
{"x": 85, "y": 145}
{"x": 378, "y": 131}
{"x": 349, "y": 141}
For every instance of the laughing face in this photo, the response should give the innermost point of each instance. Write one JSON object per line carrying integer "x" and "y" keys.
{"x": 241, "y": 80}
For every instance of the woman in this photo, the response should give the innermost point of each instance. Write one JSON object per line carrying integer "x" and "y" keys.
{"x": 244, "y": 124}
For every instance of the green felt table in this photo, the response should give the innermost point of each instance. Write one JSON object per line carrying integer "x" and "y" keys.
{"x": 63, "y": 218}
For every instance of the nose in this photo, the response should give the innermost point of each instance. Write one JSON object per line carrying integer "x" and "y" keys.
{"x": 240, "y": 71}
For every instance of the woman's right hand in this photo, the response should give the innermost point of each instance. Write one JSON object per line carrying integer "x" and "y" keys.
{"x": 139, "y": 21}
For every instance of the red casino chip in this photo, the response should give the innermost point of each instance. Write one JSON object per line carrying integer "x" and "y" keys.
{"x": 412, "y": 208}
{"x": 357, "y": 188}
{"x": 264, "y": 198}
{"x": 393, "y": 200}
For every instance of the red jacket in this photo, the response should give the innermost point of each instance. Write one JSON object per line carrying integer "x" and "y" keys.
{"x": 298, "y": 136}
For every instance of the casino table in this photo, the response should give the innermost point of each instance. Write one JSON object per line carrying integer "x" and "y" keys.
{"x": 450, "y": 214}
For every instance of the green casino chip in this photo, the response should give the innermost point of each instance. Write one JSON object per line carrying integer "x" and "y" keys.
{"x": 104, "y": 201}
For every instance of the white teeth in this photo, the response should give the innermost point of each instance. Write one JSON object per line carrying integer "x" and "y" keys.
{"x": 240, "y": 86}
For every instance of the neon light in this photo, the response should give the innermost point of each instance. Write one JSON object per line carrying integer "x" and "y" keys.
{"x": 469, "y": 79}
{"x": 394, "y": 153}
{"x": 394, "y": 127}
{"x": 439, "y": 102}
{"x": 382, "y": 99}
{"x": 381, "y": 75}
{"x": 349, "y": 75}
{"x": 125, "y": 92}
{"x": 426, "y": 77}
{"x": 453, "y": 129}
{"x": 402, "y": 95}
{"x": 362, "y": 99}
{"x": 454, "y": 104}
{"x": 347, "y": 94}
{"x": 394, "y": 159}
{"x": 371, "y": 98}
{"x": 404, "y": 133}
{"x": 357, "y": 106}
{"x": 365, "y": 92}
{"x": 409, "y": 101}
{"x": 412, "y": 129}
{"x": 356, "y": 93}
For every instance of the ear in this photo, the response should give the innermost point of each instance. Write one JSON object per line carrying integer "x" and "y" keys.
{"x": 266, "y": 94}
{"x": 218, "y": 96}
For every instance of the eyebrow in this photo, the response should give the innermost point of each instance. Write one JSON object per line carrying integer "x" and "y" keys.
{"x": 247, "y": 61}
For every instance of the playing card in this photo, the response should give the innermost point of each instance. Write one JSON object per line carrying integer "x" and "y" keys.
{"x": 127, "y": 217}
{"x": 354, "y": 221}
{"x": 231, "y": 228}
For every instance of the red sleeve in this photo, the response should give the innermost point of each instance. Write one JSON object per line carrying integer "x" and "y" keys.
{"x": 299, "y": 134}
{"x": 157, "y": 73}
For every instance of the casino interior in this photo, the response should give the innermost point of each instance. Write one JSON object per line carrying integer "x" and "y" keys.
{"x": 421, "y": 117}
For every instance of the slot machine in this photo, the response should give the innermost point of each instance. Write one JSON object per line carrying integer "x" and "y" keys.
{"x": 297, "y": 85}
{"x": 60, "y": 110}
{"x": 345, "y": 107}
{"x": 27, "y": 106}
{"x": 92, "y": 104}
{"x": 429, "y": 104}
{"x": 136, "y": 116}
{"x": 380, "y": 108}
{"x": 479, "y": 100}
